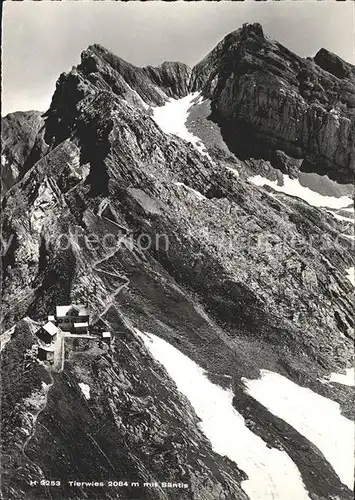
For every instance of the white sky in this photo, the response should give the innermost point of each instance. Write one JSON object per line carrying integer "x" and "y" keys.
{"x": 43, "y": 39}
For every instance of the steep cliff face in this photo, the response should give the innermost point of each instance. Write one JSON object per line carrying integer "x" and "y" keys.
{"x": 152, "y": 84}
{"x": 174, "y": 77}
{"x": 335, "y": 65}
{"x": 101, "y": 71}
{"x": 122, "y": 418}
{"x": 18, "y": 135}
{"x": 236, "y": 277}
{"x": 264, "y": 97}
{"x": 267, "y": 98}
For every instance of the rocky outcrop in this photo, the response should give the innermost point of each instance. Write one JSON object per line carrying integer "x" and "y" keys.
{"x": 335, "y": 65}
{"x": 19, "y": 131}
{"x": 153, "y": 85}
{"x": 138, "y": 440}
{"x": 173, "y": 77}
{"x": 264, "y": 97}
{"x": 234, "y": 277}
{"x": 101, "y": 71}
{"x": 267, "y": 98}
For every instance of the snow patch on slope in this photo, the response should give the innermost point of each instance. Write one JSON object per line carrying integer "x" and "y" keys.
{"x": 196, "y": 193}
{"x": 292, "y": 187}
{"x": 351, "y": 275}
{"x": 171, "y": 118}
{"x": 85, "y": 389}
{"x": 341, "y": 217}
{"x": 341, "y": 378}
{"x": 317, "y": 418}
{"x": 45, "y": 386}
{"x": 6, "y": 337}
{"x": 272, "y": 474}
{"x": 234, "y": 171}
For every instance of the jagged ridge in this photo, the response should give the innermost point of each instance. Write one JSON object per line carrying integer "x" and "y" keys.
{"x": 232, "y": 307}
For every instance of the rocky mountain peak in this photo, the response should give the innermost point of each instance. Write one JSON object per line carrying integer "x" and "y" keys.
{"x": 252, "y": 30}
{"x": 172, "y": 77}
{"x": 102, "y": 57}
{"x": 249, "y": 78}
{"x": 245, "y": 279}
{"x": 102, "y": 71}
{"x": 248, "y": 32}
{"x": 334, "y": 64}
